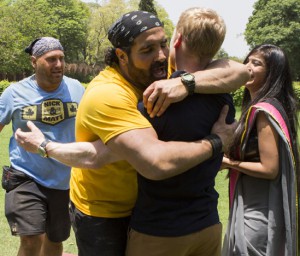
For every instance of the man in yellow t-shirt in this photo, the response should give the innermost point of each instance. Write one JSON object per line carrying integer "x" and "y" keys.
{"x": 103, "y": 186}
{"x": 109, "y": 108}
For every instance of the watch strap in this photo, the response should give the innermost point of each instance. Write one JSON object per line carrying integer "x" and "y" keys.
{"x": 43, "y": 145}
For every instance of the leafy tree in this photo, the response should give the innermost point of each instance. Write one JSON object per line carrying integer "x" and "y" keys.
{"x": 17, "y": 30}
{"x": 147, "y": 5}
{"x": 277, "y": 22}
{"x": 71, "y": 20}
{"x": 81, "y": 27}
{"x": 221, "y": 54}
{"x": 164, "y": 17}
{"x": 102, "y": 17}
{"x": 133, "y": 5}
{"x": 24, "y": 20}
{"x": 237, "y": 59}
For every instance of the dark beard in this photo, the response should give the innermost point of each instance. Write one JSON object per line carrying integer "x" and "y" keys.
{"x": 140, "y": 79}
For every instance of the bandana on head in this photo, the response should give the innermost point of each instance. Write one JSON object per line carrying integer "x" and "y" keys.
{"x": 130, "y": 25}
{"x": 42, "y": 45}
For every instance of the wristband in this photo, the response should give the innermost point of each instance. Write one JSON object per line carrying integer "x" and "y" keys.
{"x": 216, "y": 144}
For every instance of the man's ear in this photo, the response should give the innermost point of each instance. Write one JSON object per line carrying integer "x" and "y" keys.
{"x": 33, "y": 61}
{"x": 178, "y": 40}
{"x": 122, "y": 56}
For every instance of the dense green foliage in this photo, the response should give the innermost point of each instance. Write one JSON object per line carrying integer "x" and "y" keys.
{"x": 81, "y": 27}
{"x": 147, "y": 5}
{"x": 101, "y": 18}
{"x": 238, "y": 94}
{"x": 277, "y": 22}
{"x": 3, "y": 85}
{"x": 21, "y": 21}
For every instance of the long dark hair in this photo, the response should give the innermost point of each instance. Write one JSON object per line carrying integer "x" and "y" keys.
{"x": 111, "y": 58}
{"x": 278, "y": 85}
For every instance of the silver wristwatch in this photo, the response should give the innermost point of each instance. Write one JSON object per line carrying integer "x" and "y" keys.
{"x": 42, "y": 148}
{"x": 188, "y": 81}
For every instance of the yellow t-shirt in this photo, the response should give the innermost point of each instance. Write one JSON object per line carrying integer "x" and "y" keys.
{"x": 107, "y": 109}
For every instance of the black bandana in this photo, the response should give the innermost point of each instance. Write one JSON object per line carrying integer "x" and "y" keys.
{"x": 130, "y": 25}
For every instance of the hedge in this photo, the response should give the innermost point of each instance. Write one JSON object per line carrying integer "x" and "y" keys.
{"x": 237, "y": 95}
{"x": 4, "y": 84}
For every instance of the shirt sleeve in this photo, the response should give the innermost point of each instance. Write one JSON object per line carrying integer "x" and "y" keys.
{"x": 109, "y": 111}
{"x": 6, "y": 106}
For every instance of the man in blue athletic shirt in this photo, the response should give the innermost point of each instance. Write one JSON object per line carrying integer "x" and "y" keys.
{"x": 37, "y": 188}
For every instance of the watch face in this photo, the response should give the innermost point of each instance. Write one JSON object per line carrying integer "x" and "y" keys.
{"x": 188, "y": 81}
{"x": 188, "y": 77}
{"x": 42, "y": 151}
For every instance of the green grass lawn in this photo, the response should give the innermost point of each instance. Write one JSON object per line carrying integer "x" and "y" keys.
{"x": 9, "y": 244}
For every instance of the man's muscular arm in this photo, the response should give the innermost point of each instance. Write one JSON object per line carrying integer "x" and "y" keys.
{"x": 88, "y": 155}
{"x": 221, "y": 76}
{"x": 157, "y": 160}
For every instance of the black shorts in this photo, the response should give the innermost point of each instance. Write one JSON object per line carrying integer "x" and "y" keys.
{"x": 99, "y": 236}
{"x": 32, "y": 209}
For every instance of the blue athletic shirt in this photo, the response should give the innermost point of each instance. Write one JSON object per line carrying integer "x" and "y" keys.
{"x": 54, "y": 113}
{"x": 185, "y": 203}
